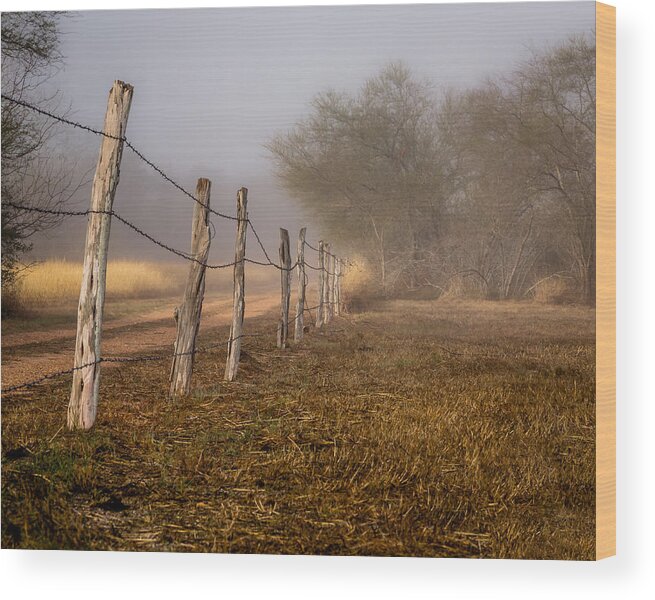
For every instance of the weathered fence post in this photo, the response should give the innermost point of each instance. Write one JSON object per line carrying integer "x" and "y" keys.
{"x": 299, "y": 321}
{"x": 234, "y": 343}
{"x": 337, "y": 288}
{"x": 187, "y": 316}
{"x": 285, "y": 281}
{"x": 327, "y": 313}
{"x": 86, "y": 378}
{"x": 333, "y": 286}
{"x": 332, "y": 283}
{"x": 320, "y": 316}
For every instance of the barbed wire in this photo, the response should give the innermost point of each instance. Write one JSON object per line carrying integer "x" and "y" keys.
{"x": 124, "y": 359}
{"x": 325, "y": 269}
{"x": 152, "y": 165}
{"x": 177, "y": 185}
{"x": 133, "y": 359}
{"x": 326, "y": 252}
{"x": 127, "y": 143}
{"x": 45, "y": 113}
{"x": 123, "y": 220}
{"x": 268, "y": 258}
{"x": 311, "y": 247}
{"x": 138, "y": 230}
{"x": 141, "y": 232}
{"x": 173, "y": 250}
{"x": 50, "y": 211}
{"x": 157, "y": 169}
{"x": 146, "y": 358}
{"x": 166, "y": 177}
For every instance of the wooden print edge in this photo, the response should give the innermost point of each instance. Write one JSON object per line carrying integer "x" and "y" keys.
{"x": 605, "y": 281}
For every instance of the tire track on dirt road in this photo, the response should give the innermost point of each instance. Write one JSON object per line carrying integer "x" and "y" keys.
{"x": 31, "y": 355}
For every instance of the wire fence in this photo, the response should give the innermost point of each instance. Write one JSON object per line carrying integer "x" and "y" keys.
{"x": 164, "y": 175}
{"x": 125, "y": 359}
{"x": 125, "y": 141}
{"x": 267, "y": 262}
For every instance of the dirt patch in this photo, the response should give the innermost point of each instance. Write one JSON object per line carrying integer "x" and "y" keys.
{"x": 30, "y": 355}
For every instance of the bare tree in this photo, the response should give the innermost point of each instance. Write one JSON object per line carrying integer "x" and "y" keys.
{"x": 494, "y": 224}
{"x": 375, "y": 158}
{"x": 554, "y": 102}
{"x": 33, "y": 174}
{"x": 495, "y": 185}
{"x": 525, "y": 152}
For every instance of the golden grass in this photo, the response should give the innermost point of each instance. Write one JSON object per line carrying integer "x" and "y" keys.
{"x": 415, "y": 429}
{"x": 58, "y": 281}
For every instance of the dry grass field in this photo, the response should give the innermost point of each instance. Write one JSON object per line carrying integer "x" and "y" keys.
{"x": 58, "y": 281}
{"x": 46, "y": 296}
{"x": 416, "y": 428}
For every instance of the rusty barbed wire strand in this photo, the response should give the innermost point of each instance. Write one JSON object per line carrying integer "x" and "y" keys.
{"x": 166, "y": 177}
{"x": 268, "y": 258}
{"x": 123, "y": 220}
{"x": 127, "y": 143}
{"x": 123, "y": 359}
{"x": 343, "y": 260}
{"x": 152, "y": 239}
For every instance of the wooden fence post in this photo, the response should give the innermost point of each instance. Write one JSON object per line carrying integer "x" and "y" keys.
{"x": 187, "y": 316}
{"x": 320, "y": 317}
{"x": 285, "y": 281}
{"x": 337, "y": 294}
{"x": 327, "y": 314}
{"x": 333, "y": 283}
{"x": 234, "y": 343}
{"x": 340, "y": 276}
{"x": 299, "y": 321}
{"x": 335, "y": 304}
{"x": 83, "y": 402}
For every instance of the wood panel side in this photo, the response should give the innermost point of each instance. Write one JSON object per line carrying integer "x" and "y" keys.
{"x": 605, "y": 280}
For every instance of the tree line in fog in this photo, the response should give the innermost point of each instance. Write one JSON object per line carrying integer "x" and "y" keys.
{"x": 487, "y": 192}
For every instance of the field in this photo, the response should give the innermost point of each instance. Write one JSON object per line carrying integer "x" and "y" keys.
{"x": 56, "y": 283}
{"x": 413, "y": 428}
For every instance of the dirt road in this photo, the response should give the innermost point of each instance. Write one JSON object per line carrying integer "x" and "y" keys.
{"x": 29, "y": 355}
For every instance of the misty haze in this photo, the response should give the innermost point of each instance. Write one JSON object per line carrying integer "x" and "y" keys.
{"x": 349, "y": 262}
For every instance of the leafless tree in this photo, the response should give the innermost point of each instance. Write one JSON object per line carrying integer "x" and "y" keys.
{"x": 525, "y": 151}
{"x": 374, "y": 158}
{"x": 495, "y": 185}
{"x": 554, "y": 101}
{"x": 34, "y": 174}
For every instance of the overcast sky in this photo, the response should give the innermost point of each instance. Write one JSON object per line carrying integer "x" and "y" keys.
{"x": 211, "y": 86}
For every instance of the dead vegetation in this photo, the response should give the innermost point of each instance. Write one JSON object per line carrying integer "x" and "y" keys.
{"x": 58, "y": 282}
{"x": 416, "y": 429}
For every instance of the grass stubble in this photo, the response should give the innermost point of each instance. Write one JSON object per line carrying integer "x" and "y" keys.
{"x": 414, "y": 429}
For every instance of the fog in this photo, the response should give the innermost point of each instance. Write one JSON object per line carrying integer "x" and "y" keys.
{"x": 212, "y": 86}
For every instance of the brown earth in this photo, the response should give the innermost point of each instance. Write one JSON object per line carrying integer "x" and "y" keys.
{"x": 28, "y": 355}
{"x": 417, "y": 428}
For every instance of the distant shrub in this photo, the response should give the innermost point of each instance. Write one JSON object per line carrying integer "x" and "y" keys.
{"x": 360, "y": 286}
{"x": 555, "y": 289}
{"x": 9, "y": 300}
{"x": 465, "y": 286}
